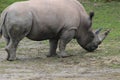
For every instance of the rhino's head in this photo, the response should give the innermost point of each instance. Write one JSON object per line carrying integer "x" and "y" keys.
{"x": 88, "y": 39}
{"x": 96, "y": 41}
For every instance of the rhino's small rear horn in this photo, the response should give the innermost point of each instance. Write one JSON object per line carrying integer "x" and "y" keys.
{"x": 98, "y": 31}
{"x": 91, "y": 15}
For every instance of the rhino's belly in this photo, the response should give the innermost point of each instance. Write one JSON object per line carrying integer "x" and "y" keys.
{"x": 39, "y": 36}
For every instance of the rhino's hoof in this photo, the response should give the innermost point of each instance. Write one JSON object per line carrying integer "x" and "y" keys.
{"x": 64, "y": 55}
{"x": 11, "y": 59}
{"x": 51, "y": 55}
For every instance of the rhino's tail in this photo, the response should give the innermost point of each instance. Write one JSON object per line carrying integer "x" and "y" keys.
{"x": 2, "y": 21}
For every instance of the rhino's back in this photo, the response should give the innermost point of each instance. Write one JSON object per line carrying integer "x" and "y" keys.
{"x": 55, "y": 10}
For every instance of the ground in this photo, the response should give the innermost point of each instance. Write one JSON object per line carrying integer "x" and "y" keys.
{"x": 32, "y": 64}
{"x": 102, "y": 64}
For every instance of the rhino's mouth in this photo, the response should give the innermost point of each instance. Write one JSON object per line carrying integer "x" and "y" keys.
{"x": 91, "y": 47}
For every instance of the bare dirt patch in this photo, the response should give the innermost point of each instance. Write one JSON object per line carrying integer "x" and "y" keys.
{"x": 32, "y": 64}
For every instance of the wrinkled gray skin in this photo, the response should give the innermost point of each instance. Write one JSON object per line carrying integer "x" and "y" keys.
{"x": 53, "y": 20}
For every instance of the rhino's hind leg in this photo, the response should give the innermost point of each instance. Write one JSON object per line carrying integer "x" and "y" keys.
{"x": 12, "y": 45}
{"x": 7, "y": 40}
{"x": 66, "y": 37}
{"x": 11, "y": 49}
{"x": 14, "y": 38}
{"x": 53, "y": 47}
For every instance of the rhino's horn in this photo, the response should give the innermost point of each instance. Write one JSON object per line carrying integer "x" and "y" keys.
{"x": 98, "y": 31}
{"x": 104, "y": 35}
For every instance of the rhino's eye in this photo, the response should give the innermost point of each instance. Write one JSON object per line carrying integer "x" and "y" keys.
{"x": 99, "y": 42}
{"x": 92, "y": 36}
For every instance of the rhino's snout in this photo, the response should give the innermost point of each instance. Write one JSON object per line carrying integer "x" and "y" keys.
{"x": 91, "y": 49}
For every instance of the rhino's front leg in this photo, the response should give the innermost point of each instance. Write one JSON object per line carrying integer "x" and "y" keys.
{"x": 62, "y": 46}
{"x": 66, "y": 37}
{"x": 53, "y": 47}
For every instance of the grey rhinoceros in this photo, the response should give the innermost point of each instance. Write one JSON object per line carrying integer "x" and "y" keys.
{"x": 53, "y": 20}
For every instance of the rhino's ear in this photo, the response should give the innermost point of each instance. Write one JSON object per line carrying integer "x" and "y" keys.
{"x": 91, "y": 14}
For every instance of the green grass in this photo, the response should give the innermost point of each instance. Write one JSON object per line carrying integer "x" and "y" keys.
{"x": 2, "y": 44}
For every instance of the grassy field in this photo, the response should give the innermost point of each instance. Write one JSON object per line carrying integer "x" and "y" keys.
{"x": 107, "y": 16}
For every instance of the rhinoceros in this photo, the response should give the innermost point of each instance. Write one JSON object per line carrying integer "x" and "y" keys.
{"x": 53, "y": 20}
